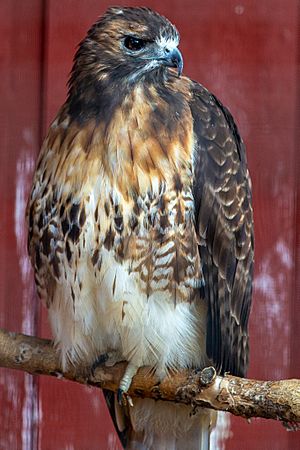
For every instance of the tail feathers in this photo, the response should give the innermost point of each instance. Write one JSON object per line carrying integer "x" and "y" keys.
{"x": 158, "y": 425}
{"x": 197, "y": 439}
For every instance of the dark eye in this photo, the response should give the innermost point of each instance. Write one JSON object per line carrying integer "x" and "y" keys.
{"x": 134, "y": 44}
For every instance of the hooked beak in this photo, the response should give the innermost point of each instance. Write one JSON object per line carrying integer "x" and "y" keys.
{"x": 173, "y": 58}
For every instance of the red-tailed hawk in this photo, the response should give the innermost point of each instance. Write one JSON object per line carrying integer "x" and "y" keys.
{"x": 140, "y": 222}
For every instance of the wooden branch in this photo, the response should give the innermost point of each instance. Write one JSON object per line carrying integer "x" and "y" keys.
{"x": 278, "y": 400}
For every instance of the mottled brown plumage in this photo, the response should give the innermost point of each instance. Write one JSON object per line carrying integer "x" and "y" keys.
{"x": 140, "y": 220}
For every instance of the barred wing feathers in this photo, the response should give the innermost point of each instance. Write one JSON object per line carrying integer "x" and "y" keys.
{"x": 224, "y": 221}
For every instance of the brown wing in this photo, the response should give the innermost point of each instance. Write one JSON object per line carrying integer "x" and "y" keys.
{"x": 224, "y": 219}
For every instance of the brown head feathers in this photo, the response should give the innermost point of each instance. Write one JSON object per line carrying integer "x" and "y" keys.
{"x": 125, "y": 46}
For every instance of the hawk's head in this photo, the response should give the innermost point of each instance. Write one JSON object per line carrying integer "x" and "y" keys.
{"x": 123, "y": 47}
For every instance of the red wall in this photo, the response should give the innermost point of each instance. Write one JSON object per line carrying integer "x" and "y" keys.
{"x": 247, "y": 53}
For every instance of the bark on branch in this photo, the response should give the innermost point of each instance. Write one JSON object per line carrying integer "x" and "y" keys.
{"x": 278, "y": 400}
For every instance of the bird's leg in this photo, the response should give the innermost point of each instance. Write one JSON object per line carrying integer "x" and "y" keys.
{"x": 125, "y": 383}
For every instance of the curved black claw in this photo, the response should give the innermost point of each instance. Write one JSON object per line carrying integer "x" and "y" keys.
{"x": 123, "y": 398}
{"x": 100, "y": 360}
